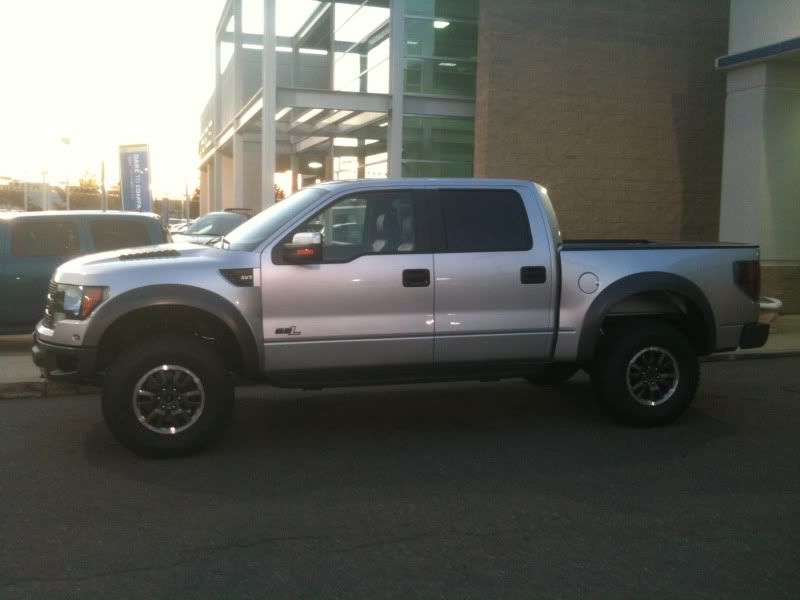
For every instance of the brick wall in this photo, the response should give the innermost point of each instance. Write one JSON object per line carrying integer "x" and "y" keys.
{"x": 613, "y": 105}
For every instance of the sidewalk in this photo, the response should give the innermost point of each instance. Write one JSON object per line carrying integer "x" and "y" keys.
{"x": 20, "y": 378}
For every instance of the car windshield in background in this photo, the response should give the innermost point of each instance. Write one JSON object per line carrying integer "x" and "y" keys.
{"x": 266, "y": 223}
{"x": 215, "y": 224}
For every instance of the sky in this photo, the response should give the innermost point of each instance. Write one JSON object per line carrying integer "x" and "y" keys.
{"x": 104, "y": 73}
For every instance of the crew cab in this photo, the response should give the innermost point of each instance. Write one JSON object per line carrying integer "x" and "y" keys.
{"x": 392, "y": 281}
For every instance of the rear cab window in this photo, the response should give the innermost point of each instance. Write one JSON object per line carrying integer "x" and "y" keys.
{"x": 113, "y": 234}
{"x": 490, "y": 220}
{"x": 40, "y": 237}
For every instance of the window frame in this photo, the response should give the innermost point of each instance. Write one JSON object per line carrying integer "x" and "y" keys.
{"x": 420, "y": 203}
{"x": 439, "y": 226}
{"x": 76, "y": 230}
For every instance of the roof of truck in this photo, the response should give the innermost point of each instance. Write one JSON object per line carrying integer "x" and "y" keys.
{"x": 426, "y": 181}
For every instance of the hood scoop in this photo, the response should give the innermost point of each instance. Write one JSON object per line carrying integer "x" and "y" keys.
{"x": 151, "y": 254}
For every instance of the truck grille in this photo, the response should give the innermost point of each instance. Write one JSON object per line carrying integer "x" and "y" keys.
{"x": 50, "y": 307}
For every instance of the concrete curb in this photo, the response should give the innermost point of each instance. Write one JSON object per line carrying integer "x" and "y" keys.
{"x": 42, "y": 389}
{"x": 731, "y": 356}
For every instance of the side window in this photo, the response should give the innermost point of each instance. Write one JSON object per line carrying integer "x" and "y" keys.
{"x": 485, "y": 221}
{"x": 45, "y": 238}
{"x": 113, "y": 234}
{"x": 366, "y": 223}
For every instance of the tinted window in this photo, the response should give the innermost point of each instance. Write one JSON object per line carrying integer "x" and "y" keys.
{"x": 45, "y": 238}
{"x": 112, "y": 234}
{"x": 485, "y": 221}
{"x": 366, "y": 223}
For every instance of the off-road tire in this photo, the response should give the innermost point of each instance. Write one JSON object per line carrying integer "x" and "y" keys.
{"x": 184, "y": 352}
{"x": 615, "y": 378}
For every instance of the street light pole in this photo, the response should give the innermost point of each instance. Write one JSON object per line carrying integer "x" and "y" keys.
{"x": 45, "y": 195}
{"x": 104, "y": 198}
{"x": 66, "y": 141}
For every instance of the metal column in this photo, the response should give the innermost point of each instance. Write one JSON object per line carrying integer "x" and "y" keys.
{"x": 397, "y": 14}
{"x": 268, "y": 95}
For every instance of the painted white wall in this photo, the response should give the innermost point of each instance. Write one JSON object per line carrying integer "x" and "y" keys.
{"x": 756, "y": 23}
{"x": 761, "y": 161}
{"x": 780, "y": 208}
{"x": 206, "y": 173}
{"x": 227, "y": 182}
{"x": 252, "y": 176}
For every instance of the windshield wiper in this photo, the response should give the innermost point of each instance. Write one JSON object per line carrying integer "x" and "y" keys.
{"x": 220, "y": 239}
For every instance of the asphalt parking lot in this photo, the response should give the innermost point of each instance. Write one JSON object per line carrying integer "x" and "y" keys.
{"x": 459, "y": 490}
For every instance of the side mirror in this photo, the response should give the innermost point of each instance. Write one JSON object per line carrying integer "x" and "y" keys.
{"x": 304, "y": 249}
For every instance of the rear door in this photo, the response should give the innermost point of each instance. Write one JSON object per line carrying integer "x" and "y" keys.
{"x": 369, "y": 304}
{"x": 37, "y": 247}
{"x": 493, "y": 276}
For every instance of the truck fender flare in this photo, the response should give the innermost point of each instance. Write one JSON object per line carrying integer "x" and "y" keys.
{"x": 176, "y": 295}
{"x": 653, "y": 281}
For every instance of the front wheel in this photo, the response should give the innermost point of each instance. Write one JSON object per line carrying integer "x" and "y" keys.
{"x": 646, "y": 373}
{"x": 167, "y": 396}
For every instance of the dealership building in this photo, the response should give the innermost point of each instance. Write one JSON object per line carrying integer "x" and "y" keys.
{"x": 671, "y": 120}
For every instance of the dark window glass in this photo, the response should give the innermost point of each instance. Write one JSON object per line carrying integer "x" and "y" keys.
{"x": 485, "y": 221}
{"x": 434, "y": 138}
{"x": 45, "y": 238}
{"x": 464, "y": 9}
{"x": 366, "y": 223}
{"x": 112, "y": 234}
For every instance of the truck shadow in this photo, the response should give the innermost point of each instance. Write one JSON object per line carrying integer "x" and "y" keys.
{"x": 467, "y": 435}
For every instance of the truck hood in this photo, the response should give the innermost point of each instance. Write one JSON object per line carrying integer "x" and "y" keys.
{"x": 151, "y": 264}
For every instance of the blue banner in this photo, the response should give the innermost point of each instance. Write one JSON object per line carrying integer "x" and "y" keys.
{"x": 134, "y": 178}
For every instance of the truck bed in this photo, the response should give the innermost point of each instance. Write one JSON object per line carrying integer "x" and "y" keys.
{"x": 579, "y": 245}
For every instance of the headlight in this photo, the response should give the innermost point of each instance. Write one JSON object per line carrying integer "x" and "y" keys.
{"x": 77, "y": 301}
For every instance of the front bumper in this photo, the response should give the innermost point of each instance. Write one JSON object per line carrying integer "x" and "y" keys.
{"x": 754, "y": 335}
{"x": 64, "y": 363}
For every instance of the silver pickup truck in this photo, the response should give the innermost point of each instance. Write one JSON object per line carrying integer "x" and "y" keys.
{"x": 390, "y": 281}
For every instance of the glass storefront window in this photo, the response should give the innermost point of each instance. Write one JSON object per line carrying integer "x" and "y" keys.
{"x": 458, "y": 40}
{"x": 456, "y": 9}
{"x": 437, "y": 147}
{"x": 440, "y": 77}
{"x": 441, "y": 47}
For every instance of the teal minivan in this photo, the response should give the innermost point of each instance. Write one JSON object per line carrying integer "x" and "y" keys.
{"x": 34, "y": 244}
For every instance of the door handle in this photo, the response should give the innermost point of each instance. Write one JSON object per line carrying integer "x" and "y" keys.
{"x": 416, "y": 278}
{"x": 532, "y": 275}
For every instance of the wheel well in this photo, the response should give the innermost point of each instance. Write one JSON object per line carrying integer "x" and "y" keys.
{"x": 146, "y": 322}
{"x": 672, "y": 307}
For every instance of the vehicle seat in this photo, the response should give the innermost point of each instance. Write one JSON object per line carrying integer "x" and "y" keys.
{"x": 387, "y": 233}
{"x": 407, "y": 235}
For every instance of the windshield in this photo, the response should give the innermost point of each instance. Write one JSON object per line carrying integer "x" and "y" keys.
{"x": 215, "y": 224}
{"x": 263, "y": 225}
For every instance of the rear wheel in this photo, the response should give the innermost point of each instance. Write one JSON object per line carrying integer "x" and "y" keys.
{"x": 646, "y": 373}
{"x": 167, "y": 396}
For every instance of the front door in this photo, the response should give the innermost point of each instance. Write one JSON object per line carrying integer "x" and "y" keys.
{"x": 367, "y": 304}
{"x": 494, "y": 278}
